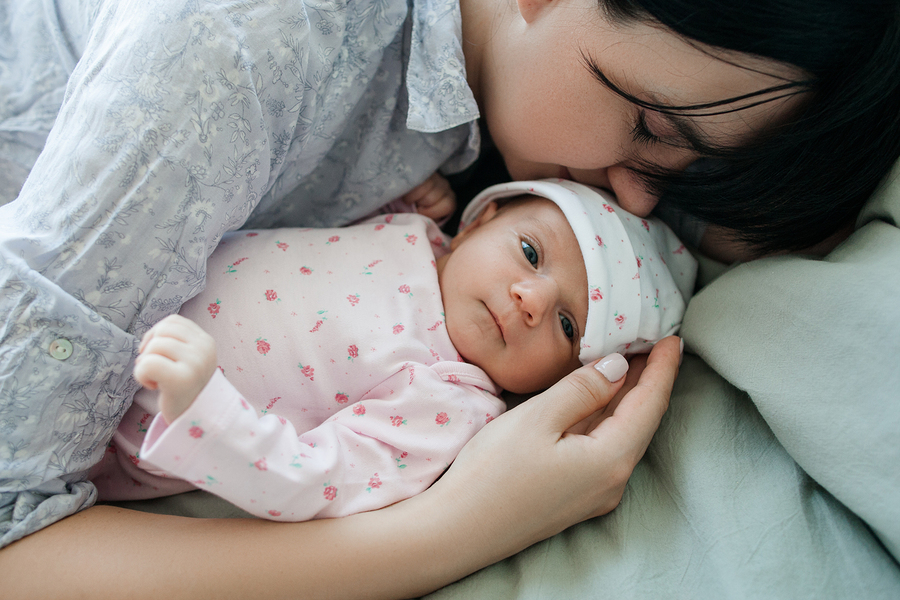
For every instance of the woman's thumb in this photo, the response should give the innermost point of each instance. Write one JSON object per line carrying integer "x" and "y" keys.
{"x": 583, "y": 392}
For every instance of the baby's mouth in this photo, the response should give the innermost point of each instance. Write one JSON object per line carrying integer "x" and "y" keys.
{"x": 497, "y": 323}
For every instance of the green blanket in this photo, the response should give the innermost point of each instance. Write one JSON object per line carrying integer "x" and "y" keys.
{"x": 776, "y": 471}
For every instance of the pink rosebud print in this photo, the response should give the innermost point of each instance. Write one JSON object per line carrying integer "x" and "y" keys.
{"x": 271, "y": 295}
{"x": 134, "y": 459}
{"x": 305, "y": 271}
{"x": 374, "y": 482}
{"x": 252, "y": 234}
{"x": 620, "y": 320}
{"x": 307, "y": 371}
{"x": 379, "y": 227}
{"x": 341, "y": 398}
{"x": 352, "y": 351}
{"x": 411, "y": 238}
{"x": 679, "y": 250}
{"x": 359, "y": 410}
{"x": 435, "y": 326}
{"x": 262, "y": 346}
{"x": 404, "y": 454}
{"x": 397, "y": 421}
{"x": 261, "y": 464}
{"x": 282, "y": 245}
{"x": 645, "y": 224}
{"x": 333, "y": 239}
{"x": 398, "y": 328}
{"x": 595, "y": 295}
{"x": 453, "y": 378}
{"x": 316, "y": 326}
{"x": 275, "y": 513}
{"x": 488, "y": 418}
{"x": 599, "y": 240}
{"x": 389, "y": 218}
{"x": 404, "y": 289}
{"x": 638, "y": 259}
{"x": 330, "y": 492}
{"x": 195, "y": 432}
{"x": 353, "y": 299}
{"x": 442, "y": 419}
{"x": 213, "y": 308}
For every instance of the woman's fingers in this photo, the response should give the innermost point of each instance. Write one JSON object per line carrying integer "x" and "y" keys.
{"x": 639, "y": 412}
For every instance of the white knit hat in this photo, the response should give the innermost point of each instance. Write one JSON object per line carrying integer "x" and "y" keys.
{"x": 640, "y": 276}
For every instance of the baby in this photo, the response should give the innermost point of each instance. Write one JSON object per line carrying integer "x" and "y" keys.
{"x": 371, "y": 354}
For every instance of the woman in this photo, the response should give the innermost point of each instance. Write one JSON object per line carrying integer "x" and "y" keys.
{"x": 623, "y": 82}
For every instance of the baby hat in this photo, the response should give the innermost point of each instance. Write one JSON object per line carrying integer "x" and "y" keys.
{"x": 640, "y": 275}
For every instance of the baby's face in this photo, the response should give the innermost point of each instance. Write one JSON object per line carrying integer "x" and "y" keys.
{"x": 515, "y": 294}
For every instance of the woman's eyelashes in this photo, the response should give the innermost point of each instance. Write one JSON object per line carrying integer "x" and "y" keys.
{"x": 640, "y": 133}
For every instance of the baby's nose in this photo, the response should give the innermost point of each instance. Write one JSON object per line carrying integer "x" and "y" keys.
{"x": 534, "y": 298}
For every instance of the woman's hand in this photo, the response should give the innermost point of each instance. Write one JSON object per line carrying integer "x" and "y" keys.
{"x": 178, "y": 358}
{"x": 565, "y": 455}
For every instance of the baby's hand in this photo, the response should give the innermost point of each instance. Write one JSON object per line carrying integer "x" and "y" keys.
{"x": 432, "y": 198}
{"x": 178, "y": 358}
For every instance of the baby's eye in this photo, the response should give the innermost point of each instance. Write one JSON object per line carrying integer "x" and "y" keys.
{"x": 530, "y": 253}
{"x": 567, "y": 327}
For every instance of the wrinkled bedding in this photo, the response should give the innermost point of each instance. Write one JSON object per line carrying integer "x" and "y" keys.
{"x": 776, "y": 471}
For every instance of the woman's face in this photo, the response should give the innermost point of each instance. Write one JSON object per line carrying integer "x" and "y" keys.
{"x": 551, "y": 117}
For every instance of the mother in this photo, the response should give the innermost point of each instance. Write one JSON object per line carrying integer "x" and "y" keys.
{"x": 180, "y": 122}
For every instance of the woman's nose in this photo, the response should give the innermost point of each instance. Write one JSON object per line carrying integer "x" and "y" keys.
{"x": 534, "y": 298}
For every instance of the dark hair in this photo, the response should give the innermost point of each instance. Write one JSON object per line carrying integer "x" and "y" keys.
{"x": 801, "y": 181}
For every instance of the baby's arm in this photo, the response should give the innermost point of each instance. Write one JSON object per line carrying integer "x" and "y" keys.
{"x": 433, "y": 198}
{"x": 178, "y": 358}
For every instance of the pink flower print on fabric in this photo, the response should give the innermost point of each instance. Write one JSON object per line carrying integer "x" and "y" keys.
{"x": 453, "y": 378}
{"x": 353, "y": 299}
{"x": 398, "y": 328}
{"x": 260, "y": 464}
{"x": 379, "y": 227}
{"x": 645, "y": 224}
{"x": 608, "y": 208}
{"x": 333, "y": 240}
{"x": 213, "y": 308}
{"x": 397, "y": 421}
{"x": 231, "y": 268}
{"x": 679, "y": 250}
{"x": 330, "y": 492}
{"x": 341, "y": 398}
{"x": 319, "y": 322}
{"x": 374, "y": 483}
{"x": 262, "y": 346}
{"x": 275, "y": 513}
{"x": 252, "y": 234}
{"x": 488, "y": 418}
{"x": 359, "y": 410}
{"x": 404, "y": 289}
{"x": 271, "y": 295}
{"x": 619, "y": 319}
{"x": 399, "y": 460}
{"x": 442, "y": 419}
{"x": 596, "y": 295}
{"x": 195, "y": 431}
{"x": 599, "y": 241}
{"x": 270, "y": 404}
{"x": 411, "y": 238}
{"x": 389, "y": 218}
{"x": 366, "y": 270}
{"x": 435, "y": 326}
{"x": 305, "y": 270}
{"x": 307, "y": 371}
{"x": 352, "y": 352}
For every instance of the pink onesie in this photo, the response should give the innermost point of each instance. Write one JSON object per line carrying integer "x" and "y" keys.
{"x": 356, "y": 397}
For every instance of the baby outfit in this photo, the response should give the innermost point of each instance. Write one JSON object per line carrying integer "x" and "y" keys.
{"x": 352, "y": 396}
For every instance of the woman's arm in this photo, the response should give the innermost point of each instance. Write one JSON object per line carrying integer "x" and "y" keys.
{"x": 520, "y": 480}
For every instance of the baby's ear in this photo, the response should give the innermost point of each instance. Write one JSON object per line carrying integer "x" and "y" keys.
{"x": 483, "y": 217}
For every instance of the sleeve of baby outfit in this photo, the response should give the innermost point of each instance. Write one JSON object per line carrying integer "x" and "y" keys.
{"x": 163, "y": 142}
{"x": 371, "y": 454}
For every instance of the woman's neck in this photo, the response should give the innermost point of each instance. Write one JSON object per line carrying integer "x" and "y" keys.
{"x": 479, "y": 21}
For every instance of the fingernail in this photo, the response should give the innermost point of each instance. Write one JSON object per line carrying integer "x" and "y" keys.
{"x": 613, "y": 367}
{"x": 681, "y": 356}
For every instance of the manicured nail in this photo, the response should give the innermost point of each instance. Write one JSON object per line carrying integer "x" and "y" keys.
{"x": 613, "y": 367}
